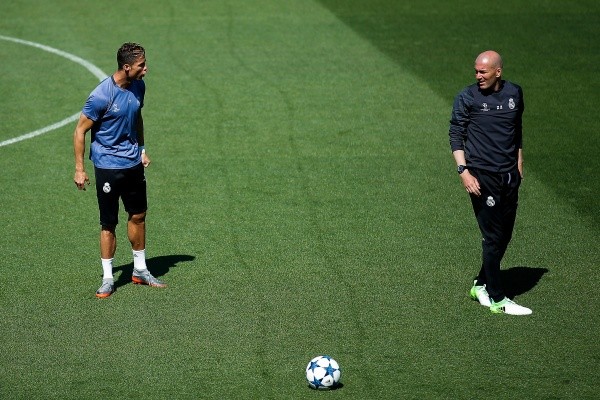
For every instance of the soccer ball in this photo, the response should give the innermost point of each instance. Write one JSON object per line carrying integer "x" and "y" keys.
{"x": 323, "y": 373}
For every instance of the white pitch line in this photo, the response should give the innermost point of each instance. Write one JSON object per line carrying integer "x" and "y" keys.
{"x": 97, "y": 72}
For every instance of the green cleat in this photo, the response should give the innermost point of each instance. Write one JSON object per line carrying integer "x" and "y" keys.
{"x": 480, "y": 294}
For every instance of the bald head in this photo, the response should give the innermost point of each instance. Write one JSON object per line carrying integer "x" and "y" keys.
{"x": 488, "y": 70}
{"x": 490, "y": 58}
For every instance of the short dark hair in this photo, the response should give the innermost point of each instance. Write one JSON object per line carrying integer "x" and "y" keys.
{"x": 128, "y": 53}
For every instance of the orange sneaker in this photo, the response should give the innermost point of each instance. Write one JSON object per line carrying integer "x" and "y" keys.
{"x": 107, "y": 288}
{"x": 145, "y": 278}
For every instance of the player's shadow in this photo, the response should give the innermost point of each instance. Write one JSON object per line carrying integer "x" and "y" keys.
{"x": 519, "y": 280}
{"x": 158, "y": 266}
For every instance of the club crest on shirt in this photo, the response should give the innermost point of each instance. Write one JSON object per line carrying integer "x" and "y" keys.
{"x": 490, "y": 202}
{"x": 485, "y": 107}
{"x": 511, "y": 104}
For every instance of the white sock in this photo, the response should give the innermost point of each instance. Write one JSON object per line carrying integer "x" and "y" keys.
{"x": 139, "y": 260}
{"x": 107, "y": 268}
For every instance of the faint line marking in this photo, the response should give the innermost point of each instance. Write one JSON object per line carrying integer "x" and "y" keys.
{"x": 97, "y": 72}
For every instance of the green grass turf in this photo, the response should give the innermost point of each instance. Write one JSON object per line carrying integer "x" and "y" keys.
{"x": 303, "y": 200}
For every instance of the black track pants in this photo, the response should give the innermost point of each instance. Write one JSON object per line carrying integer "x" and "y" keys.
{"x": 496, "y": 211}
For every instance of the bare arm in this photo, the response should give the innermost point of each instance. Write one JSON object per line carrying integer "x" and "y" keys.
{"x": 520, "y": 163}
{"x": 141, "y": 142}
{"x": 83, "y": 126}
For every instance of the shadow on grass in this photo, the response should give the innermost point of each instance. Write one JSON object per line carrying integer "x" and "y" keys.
{"x": 338, "y": 386}
{"x": 158, "y": 266}
{"x": 519, "y": 280}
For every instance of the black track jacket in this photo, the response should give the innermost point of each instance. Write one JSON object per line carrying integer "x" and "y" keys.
{"x": 488, "y": 126}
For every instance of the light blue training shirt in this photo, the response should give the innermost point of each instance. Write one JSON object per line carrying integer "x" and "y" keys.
{"x": 115, "y": 111}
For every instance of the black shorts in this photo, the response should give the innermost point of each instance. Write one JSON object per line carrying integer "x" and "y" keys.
{"x": 128, "y": 184}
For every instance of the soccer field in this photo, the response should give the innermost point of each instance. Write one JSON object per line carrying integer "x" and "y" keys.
{"x": 303, "y": 200}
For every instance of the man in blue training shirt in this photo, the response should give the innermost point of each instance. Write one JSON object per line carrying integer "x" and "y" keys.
{"x": 486, "y": 142}
{"x": 113, "y": 113}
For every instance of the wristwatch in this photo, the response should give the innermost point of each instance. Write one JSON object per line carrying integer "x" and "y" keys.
{"x": 461, "y": 169}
